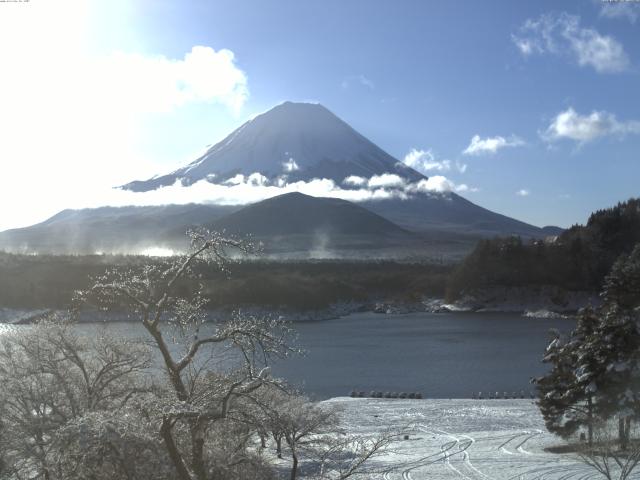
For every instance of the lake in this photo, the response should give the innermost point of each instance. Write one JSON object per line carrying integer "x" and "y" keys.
{"x": 442, "y": 355}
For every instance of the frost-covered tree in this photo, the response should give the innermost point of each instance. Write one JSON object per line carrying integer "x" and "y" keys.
{"x": 75, "y": 408}
{"x": 312, "y": 434}
{"x": 199, "y": 404}
{"x": 53, "y": 378}
{"x": 304, "y": 425}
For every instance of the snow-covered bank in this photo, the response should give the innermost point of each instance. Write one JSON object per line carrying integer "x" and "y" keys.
{"x": 538, "y": 302}
{"x": 18, "y": 316}
{"x": 542, "y": 299}
{"x": 469, "y": 439}
{"x": 334, "y": 311}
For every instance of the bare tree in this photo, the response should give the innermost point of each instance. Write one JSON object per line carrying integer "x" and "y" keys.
{"x": 51, "y": 377}
{"x": 302, "y": 423}
{"x": 319, "y": 448}
{"x": 605, "y": 454}
{"x": 75, "y": 408}
{"x": 196, "y": 398}
{"x": 345, "y": 456}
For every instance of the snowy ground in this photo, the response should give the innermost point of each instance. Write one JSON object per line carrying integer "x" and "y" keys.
{"x": 464, "y": 439}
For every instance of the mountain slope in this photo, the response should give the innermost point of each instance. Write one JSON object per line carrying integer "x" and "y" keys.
{"x": 299, "y": 141}
{"x": 111, "y": 229}
{"x": 449, "y": 212}
{"x": 298, "y": 214}
{"x": 295, "y": 225}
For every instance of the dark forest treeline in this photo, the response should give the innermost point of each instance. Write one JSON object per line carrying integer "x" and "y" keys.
{"x": 577, "y": 260}
{"x": 46, "y": 281}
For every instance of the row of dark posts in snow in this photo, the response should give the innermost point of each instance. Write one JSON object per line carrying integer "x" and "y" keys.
{"x": 418, "y": 395}
{"x": 502, "y": 395}
{"x": 377, "y": 394}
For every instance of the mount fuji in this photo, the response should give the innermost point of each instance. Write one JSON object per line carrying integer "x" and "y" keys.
{"x": 289, "y": 143}
{"x": 302, "y": 142}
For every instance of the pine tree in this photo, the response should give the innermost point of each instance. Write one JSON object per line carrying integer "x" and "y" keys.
{"x": 618, "y": 351}
{"x": 616, "y": 345}
{"x": 588, "y": 368}
{"x": 622, "y": 285}
{"x": 566, "y": 393}
{"x": 555, "y": 392}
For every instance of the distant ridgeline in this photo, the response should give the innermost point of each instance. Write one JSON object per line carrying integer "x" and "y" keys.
{"x": 576, "y": 260}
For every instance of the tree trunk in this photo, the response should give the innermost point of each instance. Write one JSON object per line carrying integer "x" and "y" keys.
{"x": 622, "y": 432}
{"x": 197, "y": 451}
{"x": 278, "y": 440}
{"x": 294, "y": 466}
{"x": 590, "y": 419}
{"x": 627, "y": 429}
{"x": 172, "y": 449}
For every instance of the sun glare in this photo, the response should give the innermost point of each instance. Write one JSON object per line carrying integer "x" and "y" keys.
{"x": 158, "y": 252}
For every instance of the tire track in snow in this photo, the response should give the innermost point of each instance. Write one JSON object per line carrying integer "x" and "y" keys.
{"x": 520, "y": 448}
{"x": 528, "y": 436}
{"x": 468, "y": 460}
{"x": 443, "y": 455}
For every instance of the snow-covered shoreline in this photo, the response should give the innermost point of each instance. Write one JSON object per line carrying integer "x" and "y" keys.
{"x": 538, "y": 301}
{"x": 532, "y": 309}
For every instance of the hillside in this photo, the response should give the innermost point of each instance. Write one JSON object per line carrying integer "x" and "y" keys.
{"x": 295, "y": 213}
{"x": 448, "y": 212}
{"x": 111, "y": 229}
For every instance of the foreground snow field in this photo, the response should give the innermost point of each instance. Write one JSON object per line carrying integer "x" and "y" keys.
{"x": 468, "y": 439}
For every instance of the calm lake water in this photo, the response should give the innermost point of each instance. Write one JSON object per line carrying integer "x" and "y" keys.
{"x": 447, "y": 355}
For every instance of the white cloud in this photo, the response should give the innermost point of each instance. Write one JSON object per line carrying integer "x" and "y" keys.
{"x": 425, "y": 161}
{"x": 563, "y": 35}
{"x": 290, "y": 166}
{"x": 386, "y": 180}
{"x": 490, "y": 145}
{"x": 240, "y": 190}
{"x": 72, "y": 120}
{"x": 438, "y": 184}
{"x": 523, "y": 192}
{"x": 161, "y": 84}
{"x": 617, "y": 10}
{"x": 584, "y": 128}
{"x": 355, "y": 180}
{"x": 463, "y": 187}
{"x": 255, "y": 179}
{"x": 235, "y": 180}
{"x": 358, "y": 79}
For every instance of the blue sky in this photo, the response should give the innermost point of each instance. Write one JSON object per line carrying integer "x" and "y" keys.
{"x": 549, "y": 88}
